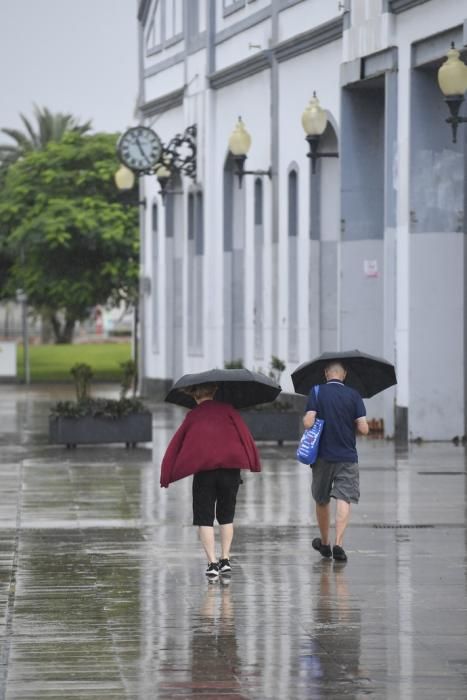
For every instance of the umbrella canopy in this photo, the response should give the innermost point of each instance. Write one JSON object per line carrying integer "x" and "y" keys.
{"x": 238, "y": 387}
{"x": 367, "y": 374}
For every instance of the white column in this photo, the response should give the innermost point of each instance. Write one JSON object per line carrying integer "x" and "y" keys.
{"x": 402, "y": 244}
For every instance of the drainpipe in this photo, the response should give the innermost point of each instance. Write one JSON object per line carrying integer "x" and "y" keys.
{"x": 139, "y": 320}
{"x": 275, "y": 177}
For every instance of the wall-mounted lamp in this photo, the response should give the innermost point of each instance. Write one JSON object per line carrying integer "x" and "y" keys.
{"x": 239, "y": 145}
{"x": 141, "y": 152}
{"x": 125, "y": 181}
{"x": 314, "y": 121}
{"x": 452, "y": 80}
{"x": 163, "y": 174}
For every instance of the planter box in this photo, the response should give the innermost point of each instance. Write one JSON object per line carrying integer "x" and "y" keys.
{"x": 90, "y": 430}
{"x": 274, "y": 425}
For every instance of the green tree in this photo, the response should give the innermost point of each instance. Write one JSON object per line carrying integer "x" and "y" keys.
{"x": 49, "y": 127}
{"x": 69, "y": 236}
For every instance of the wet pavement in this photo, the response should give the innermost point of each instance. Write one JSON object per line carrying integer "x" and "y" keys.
{"x": 103, "y": 595}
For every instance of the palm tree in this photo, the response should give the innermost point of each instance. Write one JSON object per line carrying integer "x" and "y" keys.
{"x": 50, "y": 127}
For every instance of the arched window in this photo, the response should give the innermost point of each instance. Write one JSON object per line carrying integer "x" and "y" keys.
{"x": 155, "y": 277}
{"x": 293, "y": 203}
{"x": 165, "y": 26}
{"x": 292, "y": 220}
{"x": 195, "y": 272}
{"x": 233, "y": 265}
{"x": 154, "y": 32}
{"x": 155, "y": 218}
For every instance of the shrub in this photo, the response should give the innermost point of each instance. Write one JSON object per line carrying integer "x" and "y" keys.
{"x": 234, "y": 364}
{"x": 276, "y": 367}
{"x": 129, "y": 375}
{"x": 82, "y": 375}
{"x": 109, "y": 408}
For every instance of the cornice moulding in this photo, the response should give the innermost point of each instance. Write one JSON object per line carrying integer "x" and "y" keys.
{"x": 162, "y": 104}
{"x": 309, "y": 40}
{"x": 398, "y": 6}
{"x": 239, "y": 71}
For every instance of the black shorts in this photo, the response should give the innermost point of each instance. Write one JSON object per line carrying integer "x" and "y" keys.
{"x": 215, "y": 495}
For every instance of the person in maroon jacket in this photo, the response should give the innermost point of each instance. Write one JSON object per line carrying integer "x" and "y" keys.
{"x": 214, "y": 444}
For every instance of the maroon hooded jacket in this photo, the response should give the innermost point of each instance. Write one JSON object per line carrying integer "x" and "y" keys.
{"x": 212, "y": 436}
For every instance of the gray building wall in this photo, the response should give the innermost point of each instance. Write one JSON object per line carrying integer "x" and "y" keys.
{"x": 437, "y": 313}
{"x": 362, "y": 247}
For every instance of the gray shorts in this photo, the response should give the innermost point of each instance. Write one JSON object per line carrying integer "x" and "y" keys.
{"x": 335, "y": 480}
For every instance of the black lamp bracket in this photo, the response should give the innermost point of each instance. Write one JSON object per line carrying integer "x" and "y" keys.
{"x": 240, "y": 169}
{"x": 313, "y": 142}
{"x": 454, "y": 103}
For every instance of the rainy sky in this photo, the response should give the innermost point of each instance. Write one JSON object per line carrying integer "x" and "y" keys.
{"x": 77, "y": 56}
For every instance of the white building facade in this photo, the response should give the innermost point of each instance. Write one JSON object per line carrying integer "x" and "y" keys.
{"x": 368, "y": 252}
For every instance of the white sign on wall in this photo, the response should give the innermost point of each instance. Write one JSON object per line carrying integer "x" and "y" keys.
{"x": 370, "y": 268}
{"x": 7, "y": 359}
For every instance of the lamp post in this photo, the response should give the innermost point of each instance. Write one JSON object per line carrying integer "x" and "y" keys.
{"x": 314, "y": 122}
{"x": 141, "y": 152}
{"x": 125, "y": 181}
{"x": 22, "y": 299}
{"x": 239, "y": 145}
{"x": 452, "y": 80}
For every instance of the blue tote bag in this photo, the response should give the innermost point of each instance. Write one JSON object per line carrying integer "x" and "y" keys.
{"x": 307, "y": 451}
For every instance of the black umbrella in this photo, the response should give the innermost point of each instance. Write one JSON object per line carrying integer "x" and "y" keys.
{"x": 239, "y": 387}
{"x": 367, "y": 374}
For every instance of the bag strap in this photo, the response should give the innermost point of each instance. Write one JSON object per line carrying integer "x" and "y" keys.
{"x": 316, "y": 390}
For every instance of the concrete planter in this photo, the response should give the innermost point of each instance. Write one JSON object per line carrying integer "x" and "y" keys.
{"x": 91, "y": 430}
{"x": 276, "y": 426}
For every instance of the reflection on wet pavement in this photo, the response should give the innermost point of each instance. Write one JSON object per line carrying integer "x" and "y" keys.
{"x": 102, "y": 591}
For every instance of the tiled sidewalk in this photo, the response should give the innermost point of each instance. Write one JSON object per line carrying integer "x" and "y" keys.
{"x": 102, "y": 592}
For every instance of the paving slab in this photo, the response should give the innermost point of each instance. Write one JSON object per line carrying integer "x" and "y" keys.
{"x": 103, "y": 595}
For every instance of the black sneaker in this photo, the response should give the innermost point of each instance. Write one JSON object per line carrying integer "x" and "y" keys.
{"x": 213, "y": 570}
{"x": 323, "y": 549}
{"x": 338, "y": 553}
{"x": 224, "y": 566}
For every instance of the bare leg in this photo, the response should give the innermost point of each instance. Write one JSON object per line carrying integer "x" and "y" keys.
{"x": 323, "y": 516}
{"x": 206, "y": 535}
{"x": 342, "y": 520}
{"x": 227, "y": 532}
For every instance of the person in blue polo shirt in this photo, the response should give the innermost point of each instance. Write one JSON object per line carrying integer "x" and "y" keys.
{"x": 335, "y": 473}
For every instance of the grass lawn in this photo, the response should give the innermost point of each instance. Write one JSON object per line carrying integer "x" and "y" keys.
{"x": 52, "y": 363}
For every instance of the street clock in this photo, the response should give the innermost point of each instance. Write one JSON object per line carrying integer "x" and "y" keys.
{"x": 139, "y": 148}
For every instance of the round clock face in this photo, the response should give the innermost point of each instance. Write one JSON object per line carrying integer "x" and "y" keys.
{"x": 139, "y": 148}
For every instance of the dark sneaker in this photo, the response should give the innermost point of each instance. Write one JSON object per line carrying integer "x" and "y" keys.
{"x": 323, "y": 549}
{"x": 338, "y": 553}
{"x": 213, "y": 570}
{"x": 224, "y": 566}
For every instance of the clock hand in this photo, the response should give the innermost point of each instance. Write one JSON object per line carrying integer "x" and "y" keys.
{"x": 142, "y": 151}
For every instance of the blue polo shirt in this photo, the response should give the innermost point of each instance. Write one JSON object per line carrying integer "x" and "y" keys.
{"x": 339, "y": 406}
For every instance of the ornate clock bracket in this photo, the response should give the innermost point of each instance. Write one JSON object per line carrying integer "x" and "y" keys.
{"x": 177, "y": 157}
{"x": 179, "y": 154}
